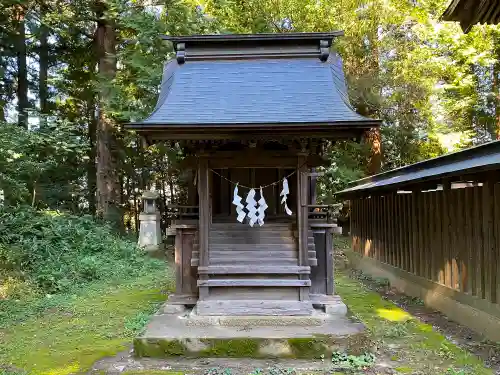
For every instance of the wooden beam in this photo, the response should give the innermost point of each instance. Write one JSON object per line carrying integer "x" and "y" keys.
{"x": 488, "y": 233}
{"x": 251, "y": 159}
{"x": 257, "y": 269}
{"x": 205, "y": 219}
{"x": 254, "y": 282}
{"x": 302, "y": 217}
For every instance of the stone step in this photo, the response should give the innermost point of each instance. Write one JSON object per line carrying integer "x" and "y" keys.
{"x": 254, "y": 308}
{"x": 314, "y": 320}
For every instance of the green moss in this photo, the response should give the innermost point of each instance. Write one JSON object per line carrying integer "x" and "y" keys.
{"x": 309, "y": 347}
{"x": 404, "y": 370}
{"x": 231, "y": 348}
{"x": 151, "y": 372}
{"x": 159, "y": 348}
{"x": 422, "y": 348}
{"x": 92, "y": 325}
{"x": 325, "y": 345}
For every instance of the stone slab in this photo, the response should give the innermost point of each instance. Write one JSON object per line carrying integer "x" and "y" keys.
{"x": 316, "y": 319}
{"x": 338, "y": 309}
{"x": 183, "y": 334}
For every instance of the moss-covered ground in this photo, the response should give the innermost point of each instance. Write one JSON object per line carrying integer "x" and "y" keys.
{"x": 70, "y": 336}
{"x": 407, "y": 344}
{"x": 410, "y": 346}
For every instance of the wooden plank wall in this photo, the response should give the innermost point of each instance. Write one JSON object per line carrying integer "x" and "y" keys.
{"x": 449, "y": 236}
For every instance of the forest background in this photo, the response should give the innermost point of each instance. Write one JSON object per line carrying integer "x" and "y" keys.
{"x": 73, "y": 72}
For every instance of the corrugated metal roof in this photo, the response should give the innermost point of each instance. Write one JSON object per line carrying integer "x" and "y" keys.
{"x": 478, "y": 158}
{"x": 471, "y": 12}
{"x": 253, "y": 91}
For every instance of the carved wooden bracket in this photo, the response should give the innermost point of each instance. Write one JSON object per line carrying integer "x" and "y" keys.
{"x": 181, "y": 53}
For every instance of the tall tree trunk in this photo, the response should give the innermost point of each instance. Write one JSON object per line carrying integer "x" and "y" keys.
{"x": 43, "y": 91}
{"x": 22, "y": 69}
{"x": 108, "y": 183}
{"x": 2, "y": 110}
{"x": 372, "y": 137}
{"x": 91, "y": 167}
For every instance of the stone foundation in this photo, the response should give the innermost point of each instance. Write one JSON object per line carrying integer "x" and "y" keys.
{"x": 173, "y": 332}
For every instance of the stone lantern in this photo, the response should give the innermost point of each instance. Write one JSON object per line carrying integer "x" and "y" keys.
{"x": 150, "y": 231}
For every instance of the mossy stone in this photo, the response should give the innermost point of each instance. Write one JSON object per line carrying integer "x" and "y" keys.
{"x": 309, "y": 347}
{"x": 159, "y": 348}
{"x": 231, "y": 348}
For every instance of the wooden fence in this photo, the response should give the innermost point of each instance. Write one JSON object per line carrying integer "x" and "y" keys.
{"x": 449, "y": 236}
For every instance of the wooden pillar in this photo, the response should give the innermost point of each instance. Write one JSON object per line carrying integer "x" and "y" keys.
{"x": 185, "y": 282}
{"x": 205, "y": 219}
{"x": 191, "y": 189}
{"x": 302, "y": 216}
{"x": 312, "y": 188}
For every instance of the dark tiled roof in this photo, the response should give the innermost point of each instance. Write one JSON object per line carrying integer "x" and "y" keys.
{"x": 472, "y": 160}
{"x": 300, "y": 90}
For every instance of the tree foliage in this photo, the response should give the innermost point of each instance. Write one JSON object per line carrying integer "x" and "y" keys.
{"x": 434, "y": 87}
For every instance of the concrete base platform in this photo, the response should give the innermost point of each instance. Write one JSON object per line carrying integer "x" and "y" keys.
{"x": 189, "y": 335}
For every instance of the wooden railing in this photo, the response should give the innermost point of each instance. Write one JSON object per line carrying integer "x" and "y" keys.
{"x": 324, "y": 212}
{"x": 180, "y": 212}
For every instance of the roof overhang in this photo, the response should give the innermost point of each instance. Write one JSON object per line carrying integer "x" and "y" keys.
{"x": 229, "y": 38}
{"x": 338, "y": 130}
{"x": 479, "y": 159}
{"x": 471, "y": 12}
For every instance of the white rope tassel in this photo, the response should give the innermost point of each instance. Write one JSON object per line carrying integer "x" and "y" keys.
{"x": 239, "y": 206}
{"x": 252, "y": 210}
{"x": 262, "y": 209}
{"x": 283, "y": 194}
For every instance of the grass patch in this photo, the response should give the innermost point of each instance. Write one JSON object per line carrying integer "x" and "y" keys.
{"x": 420, "y": 348}
{"x": 98, "y": 321}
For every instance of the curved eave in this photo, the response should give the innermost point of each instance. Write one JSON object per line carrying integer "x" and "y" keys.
{"x": 365, "y": 123}
{"x": 253, "y": 37}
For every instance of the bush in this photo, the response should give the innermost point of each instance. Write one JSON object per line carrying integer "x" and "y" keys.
{"x": 55, "y": 252}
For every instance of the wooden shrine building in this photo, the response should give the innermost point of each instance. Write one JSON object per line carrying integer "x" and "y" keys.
{"x": 253, "y": 111}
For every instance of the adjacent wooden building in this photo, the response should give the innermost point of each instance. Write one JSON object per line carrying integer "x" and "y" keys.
{"x": 251, "y": 110}
{"x": 471, "y": 12}
{"x": 433, "y": 228}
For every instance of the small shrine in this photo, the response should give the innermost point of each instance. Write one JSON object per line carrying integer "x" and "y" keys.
{"x": 253, "y": 115}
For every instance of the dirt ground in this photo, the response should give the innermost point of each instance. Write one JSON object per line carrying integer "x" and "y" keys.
{"x": 456, "y": 333}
